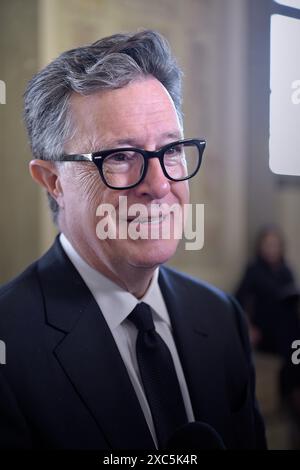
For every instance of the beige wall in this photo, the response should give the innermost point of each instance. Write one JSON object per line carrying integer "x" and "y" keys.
{"x": 18, "y": 196}
{"x": 210, "y": 40}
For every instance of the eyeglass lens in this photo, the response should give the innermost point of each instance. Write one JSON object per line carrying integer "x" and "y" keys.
{"x": 125, "y": 168}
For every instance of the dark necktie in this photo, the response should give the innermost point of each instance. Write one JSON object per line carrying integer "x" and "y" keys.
{"x": 159, "y": 377}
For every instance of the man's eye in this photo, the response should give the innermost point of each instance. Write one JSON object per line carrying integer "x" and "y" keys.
{"x": 174, "y": 151}
{"x": 173, "y": 155}
{"x": 121, "y": 162}
{"x": 120, "y": 158}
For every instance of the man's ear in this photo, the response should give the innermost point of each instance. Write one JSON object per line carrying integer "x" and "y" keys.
{"x": 45, "y": 173}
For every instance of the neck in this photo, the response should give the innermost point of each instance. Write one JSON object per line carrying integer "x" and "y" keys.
{"x": 135, "y": 280}
{"x": 130, "y": 278}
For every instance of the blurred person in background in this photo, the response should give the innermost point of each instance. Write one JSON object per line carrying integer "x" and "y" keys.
{"x": 269, "y": 294}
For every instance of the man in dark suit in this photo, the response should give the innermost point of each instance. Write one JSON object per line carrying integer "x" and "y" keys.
{"x": 107, "y": 349}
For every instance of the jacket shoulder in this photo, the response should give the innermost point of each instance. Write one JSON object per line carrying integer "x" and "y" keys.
{"x": 217, "y": 311}
{"x": 19, "y": 299}
{"x": 19, "y": 286}
{"x": 24, "y": 286}
{"x": 191, "y": 285}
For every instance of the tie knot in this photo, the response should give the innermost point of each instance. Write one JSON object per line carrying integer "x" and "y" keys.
{"x": 141, "y": 317}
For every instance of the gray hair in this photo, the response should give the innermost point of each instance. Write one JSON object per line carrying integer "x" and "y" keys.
{"x": 109, "y": 63}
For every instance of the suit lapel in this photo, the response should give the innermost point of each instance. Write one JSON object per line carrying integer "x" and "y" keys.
{"x": 88, "y": 354}
{"x": 195, "y": 344}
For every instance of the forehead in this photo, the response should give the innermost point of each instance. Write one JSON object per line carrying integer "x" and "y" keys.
{"x": 142, "y": 111}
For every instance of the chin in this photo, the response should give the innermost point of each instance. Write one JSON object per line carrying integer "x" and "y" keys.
{"x": 152, "y": 253}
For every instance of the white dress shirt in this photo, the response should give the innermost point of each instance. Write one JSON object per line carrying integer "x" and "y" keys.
{"x": 116, "y": 304}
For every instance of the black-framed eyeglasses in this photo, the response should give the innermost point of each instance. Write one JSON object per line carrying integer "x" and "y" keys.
{"x": 124, "y": 168}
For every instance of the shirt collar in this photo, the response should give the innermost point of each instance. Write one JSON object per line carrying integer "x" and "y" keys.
{"x": 115, "y": 302}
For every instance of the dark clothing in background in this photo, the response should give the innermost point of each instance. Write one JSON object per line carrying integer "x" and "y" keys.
{"x": 270, "y": 298}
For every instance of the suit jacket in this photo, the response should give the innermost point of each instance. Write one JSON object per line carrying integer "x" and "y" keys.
{"x": 64, "y": 384}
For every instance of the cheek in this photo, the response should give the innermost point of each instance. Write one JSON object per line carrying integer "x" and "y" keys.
{"x": 89, "y": 185}
{"x": 82, "y": 187}
{"x": 89, "y": 191}
{"x": 181, "y": 192}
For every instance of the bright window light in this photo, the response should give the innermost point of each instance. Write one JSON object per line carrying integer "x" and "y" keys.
{"x": 289, "y": 3}
{"x": 284, "y": 143}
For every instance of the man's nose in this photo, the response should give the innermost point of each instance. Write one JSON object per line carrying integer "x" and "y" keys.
{"x": 155, "y": 184}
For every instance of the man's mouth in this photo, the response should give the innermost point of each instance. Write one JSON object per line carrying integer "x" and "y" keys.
{"x": 151, "y": 220}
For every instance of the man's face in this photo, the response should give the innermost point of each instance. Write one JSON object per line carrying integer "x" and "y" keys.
{"x": 141, "y": 115}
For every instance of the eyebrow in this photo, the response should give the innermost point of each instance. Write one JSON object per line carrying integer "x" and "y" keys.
{"x": 177, "y": 135}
